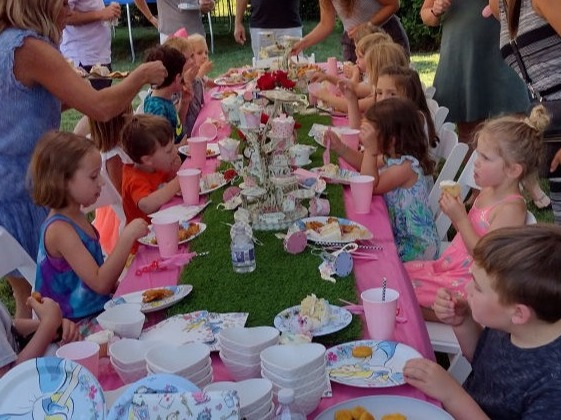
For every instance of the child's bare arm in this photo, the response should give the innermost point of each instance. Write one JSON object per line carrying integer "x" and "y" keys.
{"x": 434, "y": 381}
{"x": 158, "y": 198}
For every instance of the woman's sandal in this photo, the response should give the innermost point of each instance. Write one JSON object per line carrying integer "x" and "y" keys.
{"x": 544, "y": 202}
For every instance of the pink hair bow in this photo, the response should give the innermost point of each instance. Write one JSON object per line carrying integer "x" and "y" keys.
{"x": 181, "y": 33}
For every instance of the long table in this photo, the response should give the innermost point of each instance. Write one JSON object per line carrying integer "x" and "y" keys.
{"x": 411, "y": 332}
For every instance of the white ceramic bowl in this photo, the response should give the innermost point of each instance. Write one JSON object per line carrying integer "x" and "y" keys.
{"x": 253, "y": 393}
{"x": 205, "y": 381}
{"x": 260, "y": 412}
{"x": 251, "y": 340}
{"x": 200, "y": 374}
{"x": 241, "y": 357}
{"x": 269, "y": 416}
{"x": 183, "y": 360}
{"x": 308, "y": 401}
{"x": 297, "y": 384}
{"x": 129, "y": 353}
{"x": 293, "y": 360}
{"x": 129, "y": 375}
{"x": 241, "y": 371}
{"x": 125, "y": 320}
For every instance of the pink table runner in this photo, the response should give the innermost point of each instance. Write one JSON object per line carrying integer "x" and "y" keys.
{"x": 368, "y": 273}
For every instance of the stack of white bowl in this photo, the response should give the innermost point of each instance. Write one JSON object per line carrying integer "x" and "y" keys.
{"x": 190, "y": 361}
{"x": 125, "y": 320}
{"x": 256, "y": 397}
{"x": 127, "y": 357}
{"x": 300, "y": 367}
{"x": 240, "y": 349}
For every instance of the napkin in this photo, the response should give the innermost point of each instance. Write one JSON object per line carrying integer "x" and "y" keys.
{"x": 180, "y": 211}
{"x": 196, "y": 405}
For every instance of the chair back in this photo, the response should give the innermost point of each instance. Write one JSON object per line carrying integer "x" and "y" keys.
{"x": 440, "y": 116}
{"x": 13, "y": 256}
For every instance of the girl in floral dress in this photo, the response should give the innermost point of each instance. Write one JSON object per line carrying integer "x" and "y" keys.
{"x": 396, "y": 154}
{"x": 508, "y": 150}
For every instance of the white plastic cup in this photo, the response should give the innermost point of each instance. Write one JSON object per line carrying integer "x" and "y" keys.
{"x": 85, "y": 353}
{"x": 380, "y": 314}
{"x": 189, "y": 182}
{"x": 166, "y": 229}
{"x": 197, "y": 150}
{"x": 361, "y": 191}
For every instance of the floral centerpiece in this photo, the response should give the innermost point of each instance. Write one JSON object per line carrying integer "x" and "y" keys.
{"x": 275, "y": 79}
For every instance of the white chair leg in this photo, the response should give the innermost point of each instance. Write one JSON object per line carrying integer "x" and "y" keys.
{"x": 211, "y": 33}
{"x": 459, "y": 368}
{"x": 130, "y": 33}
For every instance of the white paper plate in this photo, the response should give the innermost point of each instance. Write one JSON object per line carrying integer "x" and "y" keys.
{"x": 384, "y": 368}
{"x": 149, "y": 240}
{"x": 300, "y": 225}
{"x": 226, "y": 81}
{"x": 331, "y": 112}
{"x": 51, "y": 386}
{"x": 220, "y": 184}
{"x": 287, "y": 320}
{"x": 381, "y": 405}
{"x": 158, "y": 383}
{"x": 211, "y": 150}
{"x": 179, "y": 292}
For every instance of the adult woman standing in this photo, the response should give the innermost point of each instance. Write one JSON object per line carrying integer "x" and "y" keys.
{"x": 355, "y": 14}
{"x": 471, "y": 79}
{"x": 35, "y": 81}
{"x": 536, "y": 26}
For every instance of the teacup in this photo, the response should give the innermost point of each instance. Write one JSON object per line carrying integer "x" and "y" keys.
{"x": 300, "y": 154}
{"x": 228, "y": 149}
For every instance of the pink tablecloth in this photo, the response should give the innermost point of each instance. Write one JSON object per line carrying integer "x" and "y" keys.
{"x": 368, "y": 273}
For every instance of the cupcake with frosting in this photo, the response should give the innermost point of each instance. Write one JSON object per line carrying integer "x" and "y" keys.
{"x": 282, "y": 126}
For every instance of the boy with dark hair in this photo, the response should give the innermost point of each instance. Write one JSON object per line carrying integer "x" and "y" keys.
{"x": 516, "y": 294}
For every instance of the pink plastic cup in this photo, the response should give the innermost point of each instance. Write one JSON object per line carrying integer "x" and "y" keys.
{"x": 197, "y": 150}
{"x": 361, "y": 190}
{"x": 380, "y": 314}
{"x": 166, "y": 229}
{"x": 313, "y": 90}
{"x": 349, "y": 136}
{"x": 208, "y": 130}
{"x": 85, "y": 353}
{"x": 189, "y": 181}
{"x": 332, "y": 66}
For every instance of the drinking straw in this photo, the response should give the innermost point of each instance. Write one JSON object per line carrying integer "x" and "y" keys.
{"x": 384, "y": 284}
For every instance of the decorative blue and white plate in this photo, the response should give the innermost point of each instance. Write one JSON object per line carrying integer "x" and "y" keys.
{"x": 179, "y": 292}
{"x": 288, "y": 320}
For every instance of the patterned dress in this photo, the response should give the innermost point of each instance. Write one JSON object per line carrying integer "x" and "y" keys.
{"x": 451, "y": 270}
{"x": 411, "y": 218}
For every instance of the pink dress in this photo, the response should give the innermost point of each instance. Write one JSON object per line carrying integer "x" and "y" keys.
{"x": 451, "y": 270}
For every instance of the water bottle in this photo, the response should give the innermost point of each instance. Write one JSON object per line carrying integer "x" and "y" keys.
{"x": 286, "y": 409}
{"x": 242, "y": 248}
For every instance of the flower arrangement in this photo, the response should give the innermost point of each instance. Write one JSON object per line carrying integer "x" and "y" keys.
{"x": 271, "y": 80}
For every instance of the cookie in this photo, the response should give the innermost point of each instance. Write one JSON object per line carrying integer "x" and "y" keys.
{"x": 362, "y": 351}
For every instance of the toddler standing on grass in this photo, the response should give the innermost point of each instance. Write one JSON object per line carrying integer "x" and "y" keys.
{"x": 71, "y": 269}
{"x": 515, "y": 292}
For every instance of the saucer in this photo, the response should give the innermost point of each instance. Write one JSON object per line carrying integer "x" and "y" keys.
{"x": 299, "y": 165}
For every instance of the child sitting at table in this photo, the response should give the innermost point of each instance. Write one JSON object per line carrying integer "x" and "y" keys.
{"x": 515, "y": 293}
{"x": 192, "y": 89}
{"x": 65, "y": 172}
{"x": 160, "y": 100}
{"x": 22, "y": 339}
{"x": 508, "y": 150}
{"x": 200, "y": 48}
{"x": 393, "y": 137}
{"x": 151, "y": 180}
{"x": 379, "y": 55}
{"x": 106, "y": 135}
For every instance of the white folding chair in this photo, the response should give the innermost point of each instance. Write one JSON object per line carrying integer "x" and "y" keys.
{"x": 448, "y": 139}
{"x": 466, "y": 179}
{"x": 142, "y": 96}
{"x": 448, "y": 172}
{"x": 109, "y": 197}
{"x": 13, "y": 256}
{"x": 439, "y": 117}
{"x": 450, "y": 126}
{"x": 429, "y": 92}
{"x": 444, "y": 340}
{"x": 433, "y": 106}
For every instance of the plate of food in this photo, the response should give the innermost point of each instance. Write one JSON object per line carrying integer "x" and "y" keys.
{"x": 331, "y": 229}
{"x": 369, "y": 363}
{"x": 187, "y": 232}
{"x": 236, "y": 78}
{"x": 152, "y": 300}
{"x": 49, "y": 387}
{"x": 334, "y": 174}
{"x": 189, "y": 6}
{"x": 221, "y": 94}
{"x": 314, "y": 316}
{"x": 211, "y": 150}
{"x": 385, "y": 407}
{"x": 102, "y": 72}
{"x": 282, "y": 95}
{"x": 211, "y": 182}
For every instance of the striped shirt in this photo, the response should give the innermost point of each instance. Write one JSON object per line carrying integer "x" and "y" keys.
{"x": 540, "y": 47}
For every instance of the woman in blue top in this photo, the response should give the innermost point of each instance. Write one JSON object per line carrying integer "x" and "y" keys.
{"x": 37, "y": 83}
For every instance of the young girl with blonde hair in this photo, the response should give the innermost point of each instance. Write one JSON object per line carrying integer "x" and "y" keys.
{"x": 393, "y": 138}
{"x": 508, "y": 150}
{"x": 65, "y": 174}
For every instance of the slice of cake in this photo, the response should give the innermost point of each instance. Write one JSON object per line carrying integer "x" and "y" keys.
{"x": 331, "y": 232}
{"x": 314, "y": 313}
{"x": 451, "y": 187}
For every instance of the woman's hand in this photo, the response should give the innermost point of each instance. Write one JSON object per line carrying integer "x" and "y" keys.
{"x": 206, "y": 6}
{"x": 153, "y": 72}
{"x": 439, "y": 7}
{"x": 450, "y": 310}
{"x": 348, "y": 89}
{"x": 452, "y": 207}
{"x": 318, "y": 77}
